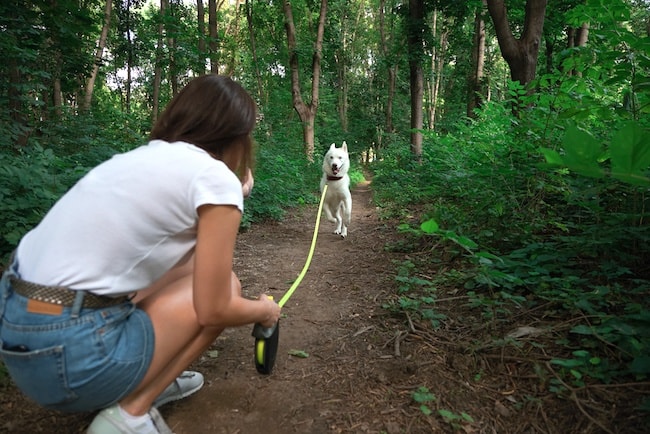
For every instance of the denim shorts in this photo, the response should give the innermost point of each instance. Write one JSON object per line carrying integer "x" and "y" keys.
{"x": 69, "y": 362}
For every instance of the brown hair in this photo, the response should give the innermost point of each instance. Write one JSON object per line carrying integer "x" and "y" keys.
{"x": 214, "y": 113}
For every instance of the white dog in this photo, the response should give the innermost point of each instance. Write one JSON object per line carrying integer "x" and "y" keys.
{"x": 338, "y": 200}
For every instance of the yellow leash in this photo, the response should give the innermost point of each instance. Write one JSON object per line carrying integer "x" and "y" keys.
{"x": 295, "y": 284}
{"x": 266, "y": 339}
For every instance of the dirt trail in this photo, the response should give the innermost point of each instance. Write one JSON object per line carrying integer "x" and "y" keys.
{"x": 330, "y": 317}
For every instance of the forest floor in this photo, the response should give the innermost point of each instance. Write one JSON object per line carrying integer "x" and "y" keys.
{"x": 345, "y": 364}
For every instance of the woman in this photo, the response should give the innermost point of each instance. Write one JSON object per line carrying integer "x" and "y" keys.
{"x": 128, "y": 278}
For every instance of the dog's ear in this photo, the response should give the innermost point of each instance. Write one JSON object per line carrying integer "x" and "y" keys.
{"x": 332, "y": 146}
{"x": 345, "y": 146}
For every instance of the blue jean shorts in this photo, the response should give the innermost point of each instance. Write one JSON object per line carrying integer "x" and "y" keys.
{"x": 73, "y": 363}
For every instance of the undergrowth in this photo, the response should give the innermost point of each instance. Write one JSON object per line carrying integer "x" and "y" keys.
{"x": 482, "y": 213}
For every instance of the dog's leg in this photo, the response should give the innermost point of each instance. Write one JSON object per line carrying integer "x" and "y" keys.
{"x": 341, "y": 229}
{"x": 328, "y": 214}
{"x": 346, "y": 212}
{"x": 339, "y": 224}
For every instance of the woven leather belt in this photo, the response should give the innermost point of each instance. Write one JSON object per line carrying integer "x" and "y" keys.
{"x": 61, "y": 295}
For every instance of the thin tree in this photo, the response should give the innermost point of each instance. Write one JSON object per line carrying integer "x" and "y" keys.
{"x": 157, "y": 78}
{"x": 200, "y": 19}
{"x": 167, "y": 11}
{"x": 391, "y": 68}
{"x": 440, "y": 33}
{"x": 415, "y": 44}
{"x": 232, "y": 34}
{"x": 251, "y": 37}
{"x": 99, "y": 54}
{"x": 306, "y": 111}
{"x": 213, "y": 8}
{"x": 477, "y": 77}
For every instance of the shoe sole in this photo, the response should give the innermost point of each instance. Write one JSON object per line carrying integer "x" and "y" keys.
{"x": 179, "y": 397}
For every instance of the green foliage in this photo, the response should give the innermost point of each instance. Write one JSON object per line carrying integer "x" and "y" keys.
{"x": 417, "y": 296}
{"x": 543, "y": 206}
{"x": 455, "y": 420}
{"x": 30, "y": 183}
{"x": 628, "y": 154}
{"x": 283, "y": 180}
{"x": 423, "y": 396}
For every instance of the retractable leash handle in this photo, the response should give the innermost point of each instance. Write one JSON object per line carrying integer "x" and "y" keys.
{"x": 266, "y": 345}
{"x": 267, "y": 338}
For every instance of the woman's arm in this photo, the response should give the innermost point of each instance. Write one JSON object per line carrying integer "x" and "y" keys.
{"x": 248, "y": 182}
{"x": 217, "y": 298}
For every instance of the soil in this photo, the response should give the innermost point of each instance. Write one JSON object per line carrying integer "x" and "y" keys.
{"x": 346, "y": 364}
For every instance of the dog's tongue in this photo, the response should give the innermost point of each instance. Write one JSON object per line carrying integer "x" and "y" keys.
{"x": 335, "y": 170}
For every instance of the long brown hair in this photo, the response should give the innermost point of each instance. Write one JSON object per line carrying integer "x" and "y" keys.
{"x": 212, "y": 112}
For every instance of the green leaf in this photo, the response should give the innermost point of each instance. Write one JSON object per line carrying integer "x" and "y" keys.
{"x": 630, "y": 154}
{"x": 422, "y": 395}
{"x": 567, "y": 363}
{"x": 298, "y": 353}
{"x": 552, "y": 156}
{"x": 447, "y": 415}
{"x": 582, "y": 152}
{"x": 640, "y": 365}
{"x": 582, "y": 330}
{"x": 467, "y": 417}
{"x": 430, "y": 226}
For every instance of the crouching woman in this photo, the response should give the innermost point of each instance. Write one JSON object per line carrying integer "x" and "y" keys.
{"x": 129, "y": 277}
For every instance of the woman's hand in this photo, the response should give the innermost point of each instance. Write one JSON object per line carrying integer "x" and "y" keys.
{"x": 247, "y": 183}
{"x": 272, "y": 309}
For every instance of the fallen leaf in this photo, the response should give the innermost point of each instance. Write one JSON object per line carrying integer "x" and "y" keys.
{"x": 298, "y": 353}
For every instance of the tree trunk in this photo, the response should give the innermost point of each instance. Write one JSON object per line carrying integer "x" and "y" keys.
{"x": 415, "y": 42}
{"x": 129, "y": 59}
{"x": 520, "y": 54}
{"x": 476, "y": 92}
{"x": 16, "y": 111}
{"x": 347, "y": 41}
{"x": 168, "y": 14}
{"x": 343, "y": 91}
{"x": 577, "y": 37}
{"x": 256, "y": 64}
{"x": 57, "y": 95}
{"x": 306, "y": 112}
{"x": 231, "y": 34}
{"x": 157, "y": 78}
{"x": 213, "y": 7}
{"x": 200, "y": 16}
{"x": 99, "y": 53}
{"x": 436, "y": 66}
{"x": 341, "y": 56}
{"x": 439, "y": 68}
{"x": 391, "y": 69}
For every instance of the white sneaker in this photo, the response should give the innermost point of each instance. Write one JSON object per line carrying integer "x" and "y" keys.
{"x": 186, "y": 384}
{"x": 111, "y": 421}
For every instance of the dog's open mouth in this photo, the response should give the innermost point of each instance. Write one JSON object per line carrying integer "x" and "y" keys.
{"x": 335, "y": 170}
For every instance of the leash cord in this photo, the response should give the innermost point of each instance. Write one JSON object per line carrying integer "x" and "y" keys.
{"x": 295, "y": 284}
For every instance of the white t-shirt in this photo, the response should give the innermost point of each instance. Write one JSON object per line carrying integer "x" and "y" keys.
{"x": 128, "y": 221}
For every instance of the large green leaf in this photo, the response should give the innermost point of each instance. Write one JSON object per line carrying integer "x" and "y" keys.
{"x": 630, "y": 154}
{"x": 582, "y": 152}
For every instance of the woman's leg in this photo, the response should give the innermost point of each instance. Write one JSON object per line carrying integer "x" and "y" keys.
{"x": 179, "y": 338}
